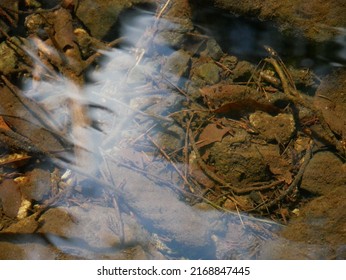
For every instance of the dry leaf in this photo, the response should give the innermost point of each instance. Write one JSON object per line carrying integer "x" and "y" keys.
{"x": 212, "y": 133}
{"x": 14, "y": 160}
{"x": 244, "y": 107}
{"x": 3, "y": 124}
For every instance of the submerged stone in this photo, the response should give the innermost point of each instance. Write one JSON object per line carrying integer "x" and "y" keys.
{"x": 278, "y": 128}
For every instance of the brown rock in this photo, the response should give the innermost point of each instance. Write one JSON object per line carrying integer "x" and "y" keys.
{"x": 10, "y": 197}
{"x": 279, "y": 128}
{"x": 100, "y": 16}
{"x": 36, "y": 185}
{"x": 324, "y": 172}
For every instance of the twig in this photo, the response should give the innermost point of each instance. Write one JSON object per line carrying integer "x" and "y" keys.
{"x": 42, "y": 115}
{"x": 224, "y": 67}
{"x": 171, "y": 162}
{"x": 10, "y": 40}
{"x": 119, "y": 222}
{"x": 277, "y": 58}
{"x": 284, "y": 83}
{"x": 160, "y": 118}
{"x": 186, "y": 150}
{"x": 241, "y": 220}
{"x": 176, "y": 87}
{"x": 162, "y": 10}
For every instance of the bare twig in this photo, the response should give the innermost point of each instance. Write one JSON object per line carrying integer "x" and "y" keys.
{"x": 162, "y": 10}
{"x": 166, "y": 156}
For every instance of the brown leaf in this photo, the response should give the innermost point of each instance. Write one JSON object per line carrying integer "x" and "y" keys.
{"x": 211, "y": 133}
{"x": 244, "y": 107}
{"x": 3, "y": 124}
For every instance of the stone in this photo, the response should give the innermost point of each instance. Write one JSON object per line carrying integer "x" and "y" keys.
{"x": 209, "y": 72}
{"x": 238, "y": 164}
{"x": 324, "y": 171}
{"x": 278, "y": 128}
{"x": 36, "y": 184}
{"x": 321, "y": 224}
{"x": 172, "y": 34}
{"x": 176, "y": 65}
{"x": 213, "y": 50}
{"x": 243, "y": 70}
{"x": 100, "y": 16}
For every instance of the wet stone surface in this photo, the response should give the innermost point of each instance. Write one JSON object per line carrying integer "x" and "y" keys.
{"x": 325, "y": 172}
{"x": 279, "y": 128}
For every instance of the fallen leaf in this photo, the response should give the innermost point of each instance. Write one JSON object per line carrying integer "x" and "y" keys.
{"x": 3, "y": 124}
{"x": 14, "y": 160}
{"x": 212, "y": 133}
{"x": 244, "y": 107}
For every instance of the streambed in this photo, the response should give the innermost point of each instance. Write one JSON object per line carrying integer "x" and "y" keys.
{"x": 194, "y": 155}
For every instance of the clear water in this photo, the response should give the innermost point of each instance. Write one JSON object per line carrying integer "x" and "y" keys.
{"x": 128, "y": 101}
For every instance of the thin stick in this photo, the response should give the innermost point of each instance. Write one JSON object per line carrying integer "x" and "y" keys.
{"x": 186, "y": 156}
{"x": 176, "y": 87}
{"x": 283, "y": 79}
{"x": 42, "y": 115}
{"x": 241, "y": 220}
{"x": 275, "y": 55}
{"x": 162, "y": 10}
{"x": 119, "y": 222}
{"x": 166, "y": 156}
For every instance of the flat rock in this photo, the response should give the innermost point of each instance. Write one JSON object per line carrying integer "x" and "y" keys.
{"x": 176, "y": 65}
{"x": 319, "y": 230}
{"x": 100, "y": 16}
{"x": 324, "y": 172}
{"x": 91, "y": 226}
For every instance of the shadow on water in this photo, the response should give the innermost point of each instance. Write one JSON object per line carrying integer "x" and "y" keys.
{"x": 245, "y": 37}
{"x": 142, "y": 203}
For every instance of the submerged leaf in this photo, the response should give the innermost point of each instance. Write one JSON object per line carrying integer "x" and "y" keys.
{"x": 14, "y": 160}
{"x": 244, "y": 107}
{"x": 212, "y": 133}
{"x": 3, "y": 124}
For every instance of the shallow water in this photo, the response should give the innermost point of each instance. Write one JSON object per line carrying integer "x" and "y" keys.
{"x": 246, "y": 36}
{"x": 131, "y": 198}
